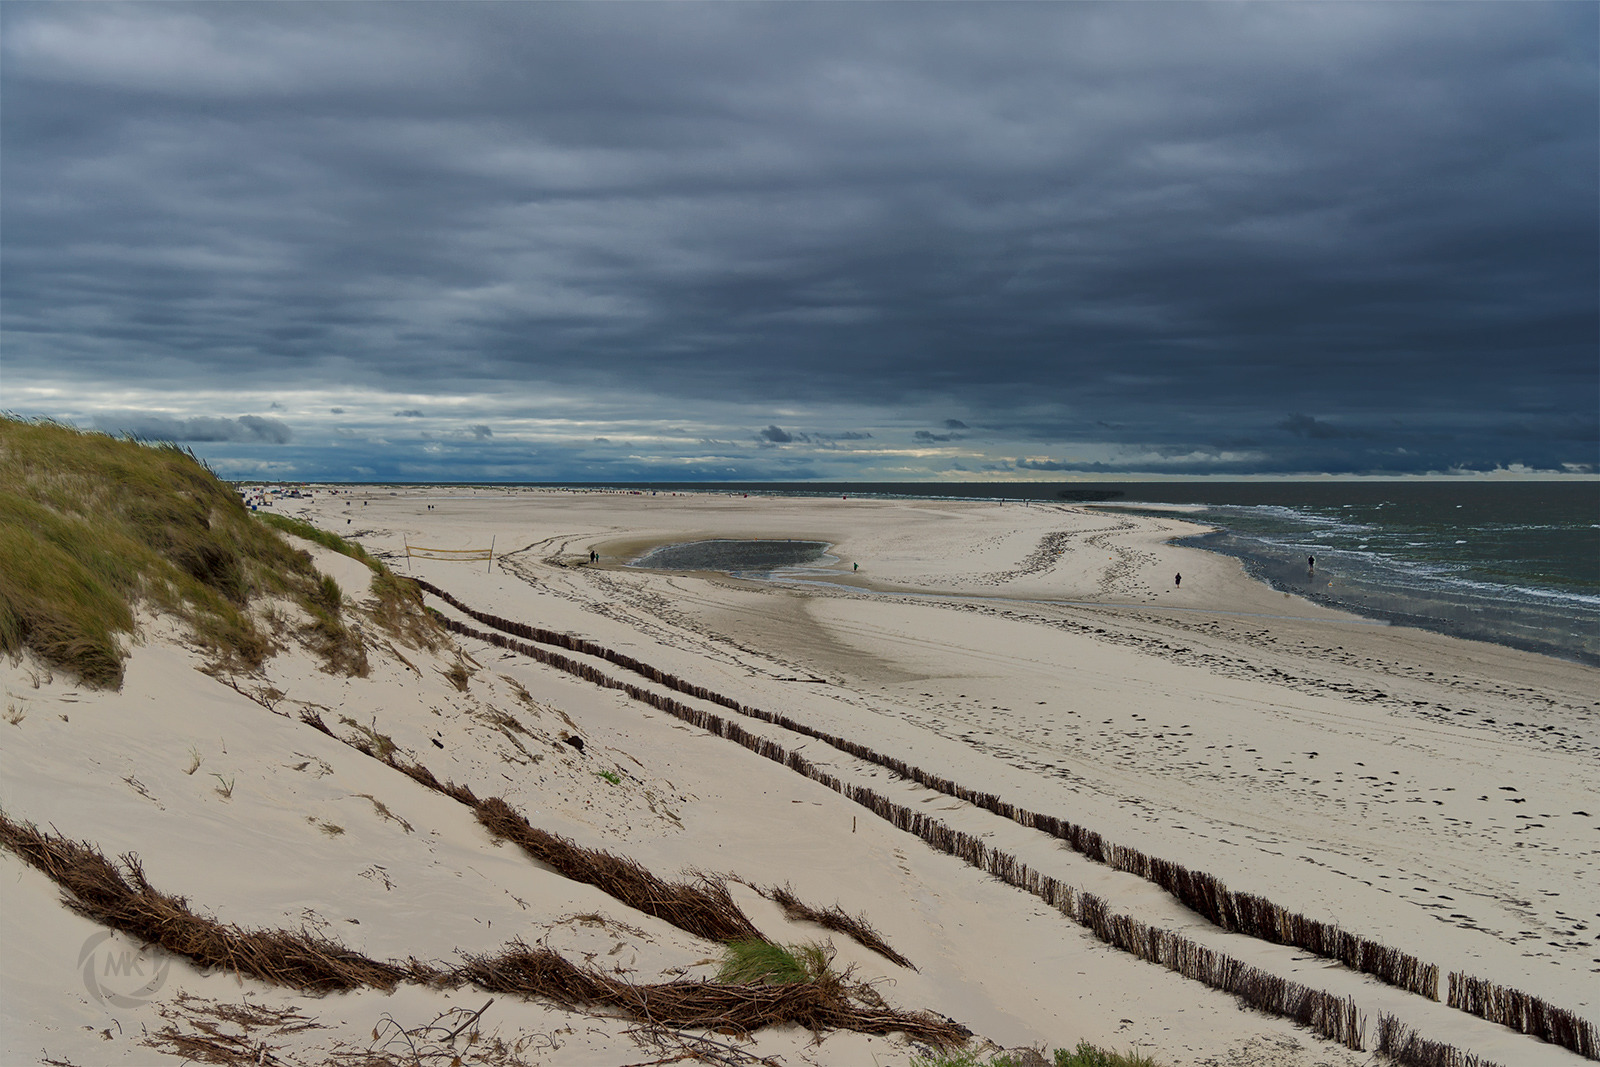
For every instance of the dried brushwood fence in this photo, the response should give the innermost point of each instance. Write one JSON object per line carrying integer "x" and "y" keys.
{"x": 1326, "y": 1015}
{"x": 124, "y": 900}
{"x": 1202, "y": 893}
{"x": 820, "y": 1005}
{"x": 1524, "y": 1013}
{"x": 1402, "y": 1043}
{"x": 836, "y": 919}
{"x": 422, "y": 776}
{"x": 702, "y": 907}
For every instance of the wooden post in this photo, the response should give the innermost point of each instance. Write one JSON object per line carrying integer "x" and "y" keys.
{"x": 490, "y": 568}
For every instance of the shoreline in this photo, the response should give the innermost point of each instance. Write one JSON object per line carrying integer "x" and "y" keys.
{"x": 1549, "y": 620}
{"x": 1258, "y": 570}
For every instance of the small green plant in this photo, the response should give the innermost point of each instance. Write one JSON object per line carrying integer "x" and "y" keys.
{"x": 195, "y": 759}
{"x": 756, "y": 962}
{"x": 1087, "y": 1055}
{"x": 610, "y": 776}
{"x": 15, "y": 715}
{"x": 330, "y": 829}
{"x": 958, "y": 1058}
{"x": 224, "y": 786}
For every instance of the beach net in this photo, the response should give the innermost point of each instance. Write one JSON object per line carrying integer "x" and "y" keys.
{"x": 463, "y": 554}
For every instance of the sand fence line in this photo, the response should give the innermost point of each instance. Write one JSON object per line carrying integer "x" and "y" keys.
{"x": 1203, "y": 893}
{"x": 1405, "y": 1045}
{"x": 1326, "y": 1015}
{"x": 121, "y": 897}
{"x": 836, "y": 919}
{"x": 819, "y": 1006}
{"x": 701, "y": 906}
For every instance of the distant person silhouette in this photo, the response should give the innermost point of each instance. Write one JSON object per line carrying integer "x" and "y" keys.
{"x": 1177, "y": 580}
{"x": 1311, "y": 563}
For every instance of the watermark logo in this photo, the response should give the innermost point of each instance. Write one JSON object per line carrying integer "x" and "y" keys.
{"x": 119, "y": 976}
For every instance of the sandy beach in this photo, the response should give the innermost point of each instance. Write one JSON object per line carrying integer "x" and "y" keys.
{"x": 1434, "y": 795}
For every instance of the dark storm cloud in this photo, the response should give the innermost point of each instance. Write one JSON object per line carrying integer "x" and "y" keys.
{"x": 246, "y": 428}
{"x": 1117, "y": 237}
{"x": 1309, "y": 426}
{"x": 778, "y": 436}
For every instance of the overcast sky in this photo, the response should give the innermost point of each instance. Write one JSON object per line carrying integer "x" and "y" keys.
{"x": 610, "y": 241}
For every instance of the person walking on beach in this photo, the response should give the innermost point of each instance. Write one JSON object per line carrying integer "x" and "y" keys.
{"x": 1311, "y": 563}
{"x": 1177, "y": 580}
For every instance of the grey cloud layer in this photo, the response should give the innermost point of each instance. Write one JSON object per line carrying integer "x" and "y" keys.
{"x": 1214, "y": 237}
{"x": 252, "y": 429}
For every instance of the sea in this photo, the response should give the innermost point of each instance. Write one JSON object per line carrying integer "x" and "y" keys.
{"x": 1512, "y": 562}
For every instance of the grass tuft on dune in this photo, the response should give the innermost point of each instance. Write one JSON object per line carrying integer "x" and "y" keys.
{"x": 755, "y": 961}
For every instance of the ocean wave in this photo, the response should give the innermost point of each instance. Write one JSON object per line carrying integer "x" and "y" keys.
{"x": 1589, "y": 600}
{"x": 1282, "y": 512}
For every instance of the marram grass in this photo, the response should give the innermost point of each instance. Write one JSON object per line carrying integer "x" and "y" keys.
{"x": 398, "y": 601}
{"x": 92, "y": 527}
{"x": 756, "y": 962}
{"x": 1085, "y": 1055}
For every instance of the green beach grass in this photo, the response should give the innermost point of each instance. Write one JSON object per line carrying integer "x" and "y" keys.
{"x": 762, "y": 962}
{"x": 1085, "y": 1055}
{"x": 92, "y": 527}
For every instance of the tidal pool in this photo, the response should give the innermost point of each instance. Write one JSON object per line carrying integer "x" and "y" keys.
{"x": 733, "y": 557}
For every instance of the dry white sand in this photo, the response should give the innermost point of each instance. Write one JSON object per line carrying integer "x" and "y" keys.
{"x": 1437, "y": 795}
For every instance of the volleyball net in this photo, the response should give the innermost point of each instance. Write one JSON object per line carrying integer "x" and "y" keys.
{"x": 459, "y": 555}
